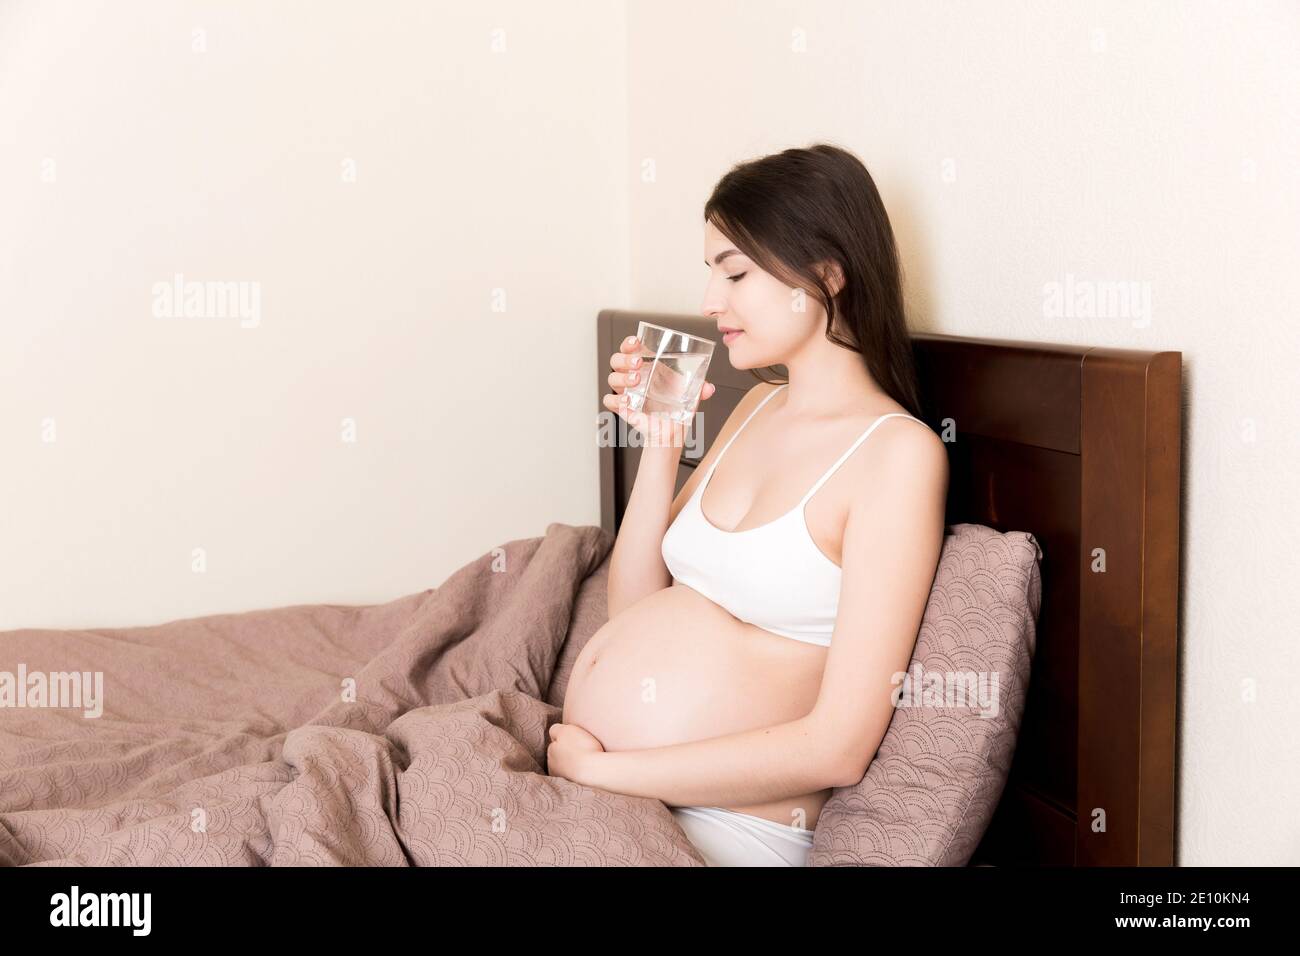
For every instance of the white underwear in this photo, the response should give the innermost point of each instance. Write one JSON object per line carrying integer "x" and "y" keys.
{"x": 727, "y": 838}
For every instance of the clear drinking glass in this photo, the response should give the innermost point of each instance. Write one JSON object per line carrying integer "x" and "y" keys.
{"x": 673, "y": 366}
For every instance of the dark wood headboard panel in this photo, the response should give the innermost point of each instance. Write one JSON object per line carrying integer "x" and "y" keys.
{"x": 1081, "y": 447}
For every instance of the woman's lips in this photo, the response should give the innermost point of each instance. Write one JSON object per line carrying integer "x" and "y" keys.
{"x": 729, "y": 337}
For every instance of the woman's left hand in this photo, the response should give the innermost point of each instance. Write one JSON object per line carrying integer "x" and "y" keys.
{"x": 570, "y": 751}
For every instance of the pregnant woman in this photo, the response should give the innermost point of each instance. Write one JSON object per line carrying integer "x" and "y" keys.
{"x": 757, "y": 619}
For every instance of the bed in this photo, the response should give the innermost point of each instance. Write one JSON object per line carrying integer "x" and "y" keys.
{"x": 1082, "y": 447}
{"x": 413, "y": 732}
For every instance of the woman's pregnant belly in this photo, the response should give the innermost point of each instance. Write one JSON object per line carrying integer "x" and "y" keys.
{"x": 675, "y": 667}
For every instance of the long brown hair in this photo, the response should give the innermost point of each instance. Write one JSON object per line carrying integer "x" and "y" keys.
{"x": 799, "y": 207}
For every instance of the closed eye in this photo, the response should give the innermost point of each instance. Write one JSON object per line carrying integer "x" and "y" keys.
{"x": 737, "y": 278}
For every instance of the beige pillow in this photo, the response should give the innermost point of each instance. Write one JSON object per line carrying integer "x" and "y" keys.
{"x": 929, "y": 794}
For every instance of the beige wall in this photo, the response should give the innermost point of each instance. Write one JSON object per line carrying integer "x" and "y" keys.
{"x": 1016, "y": 145}
{"x": 475, "y": 171}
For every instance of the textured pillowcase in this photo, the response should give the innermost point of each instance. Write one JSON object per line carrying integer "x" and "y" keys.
{"x": 931, "y": 790}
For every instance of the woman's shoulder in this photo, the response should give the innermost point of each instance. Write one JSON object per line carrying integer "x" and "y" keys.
{"x": 908, "y": 443}
{"x": 897, "y": 436}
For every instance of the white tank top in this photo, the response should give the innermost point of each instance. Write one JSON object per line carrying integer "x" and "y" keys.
{"x": 773, "y": 576}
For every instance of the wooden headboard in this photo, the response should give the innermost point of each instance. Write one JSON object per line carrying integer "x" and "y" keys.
{"x": 1080, "y": 447}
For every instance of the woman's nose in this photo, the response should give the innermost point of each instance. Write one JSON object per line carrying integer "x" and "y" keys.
{"x": 713, "y": 304}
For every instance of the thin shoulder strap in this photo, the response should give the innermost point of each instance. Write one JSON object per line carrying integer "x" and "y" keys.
{"x": 743, "y": 424}
{"x": 852, "y": 448}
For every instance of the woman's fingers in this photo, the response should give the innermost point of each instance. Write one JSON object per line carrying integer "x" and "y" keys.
{"x": 627, "y": 355}
{"x": 706, "y": 390}
{"x": 626, "y": 366}
{"x": 622, "y": 361}
{"x": 615, "y": 404}
{"x": 619, "y": 380}
{"x": 655, "y": 429}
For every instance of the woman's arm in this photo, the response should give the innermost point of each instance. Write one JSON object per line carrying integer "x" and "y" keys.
{"x": 892, "y": 542}
{"x": 756, "y": 766}
{"x": 636, "y": 565}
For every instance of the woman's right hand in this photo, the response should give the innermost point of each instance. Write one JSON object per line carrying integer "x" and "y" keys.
{"x": 628, "y": 367}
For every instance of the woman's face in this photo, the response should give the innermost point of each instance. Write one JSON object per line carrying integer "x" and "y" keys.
{"x": 740, "y": 295}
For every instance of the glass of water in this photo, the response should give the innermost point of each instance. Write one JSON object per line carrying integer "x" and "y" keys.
{"x": 673, "y": 368}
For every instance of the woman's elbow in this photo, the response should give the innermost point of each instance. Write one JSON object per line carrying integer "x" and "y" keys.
{"x": 847, "y": 773}
{"x": 843, "y": 765}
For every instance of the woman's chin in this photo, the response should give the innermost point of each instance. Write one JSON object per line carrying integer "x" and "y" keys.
{"x": 740, "y": 362}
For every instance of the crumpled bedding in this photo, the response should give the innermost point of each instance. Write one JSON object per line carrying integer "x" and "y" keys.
{"x": 407, "y": 733}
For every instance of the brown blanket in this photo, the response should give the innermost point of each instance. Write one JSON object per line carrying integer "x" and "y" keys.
{"x": 412, "y": 732}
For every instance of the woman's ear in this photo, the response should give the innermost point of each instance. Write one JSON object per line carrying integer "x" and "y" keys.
{"x": 832, "y": 275}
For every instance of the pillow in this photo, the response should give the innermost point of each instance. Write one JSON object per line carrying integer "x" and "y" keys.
{"x": 931, "y": 790}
